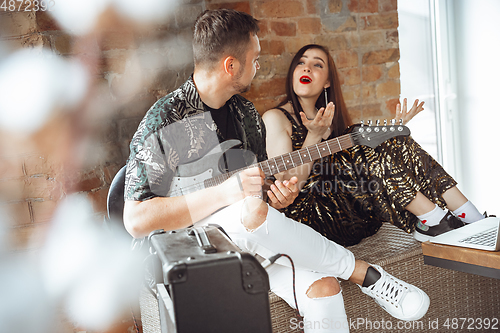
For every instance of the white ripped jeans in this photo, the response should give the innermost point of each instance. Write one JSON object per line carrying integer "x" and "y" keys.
{"x": 314, "y": 257}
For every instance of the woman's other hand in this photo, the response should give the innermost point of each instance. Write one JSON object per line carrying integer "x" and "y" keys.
{"x": 406, "y": 114}
{"x": 320, "y": 125}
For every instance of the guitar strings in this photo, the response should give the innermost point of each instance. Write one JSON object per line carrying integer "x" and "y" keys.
{"x": 343, "y": 139}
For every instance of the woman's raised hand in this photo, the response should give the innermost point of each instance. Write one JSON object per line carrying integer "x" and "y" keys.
{"x": 408, "y": 115}
{"x": 320, "y": 125}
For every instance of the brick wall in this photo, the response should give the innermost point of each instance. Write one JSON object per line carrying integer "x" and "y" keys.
{"x": 361, "y": 34}
{"x": 134, "y": 64}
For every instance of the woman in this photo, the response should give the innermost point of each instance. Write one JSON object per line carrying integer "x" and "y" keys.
{"x": 346, "y": 196}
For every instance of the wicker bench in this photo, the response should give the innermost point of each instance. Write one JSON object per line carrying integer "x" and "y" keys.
{"x": 453, "y": 294}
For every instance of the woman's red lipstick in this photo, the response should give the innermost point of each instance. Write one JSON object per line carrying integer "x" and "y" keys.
{"x": 305, "y": 79}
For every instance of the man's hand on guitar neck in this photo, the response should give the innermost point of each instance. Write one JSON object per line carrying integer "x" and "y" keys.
{"x": 282, "y": 194}
{"x": 247, "y": 183}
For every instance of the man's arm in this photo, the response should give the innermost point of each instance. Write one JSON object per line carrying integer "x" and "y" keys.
{"x": 142, "y": 217}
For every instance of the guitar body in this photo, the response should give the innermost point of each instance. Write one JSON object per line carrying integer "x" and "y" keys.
{"x": 191, "y": 176}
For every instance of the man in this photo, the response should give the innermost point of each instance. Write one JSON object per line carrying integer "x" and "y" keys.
{"x": 184, "y": 127}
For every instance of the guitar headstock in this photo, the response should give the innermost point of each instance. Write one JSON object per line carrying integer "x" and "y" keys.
{"x": 373, "y": 135}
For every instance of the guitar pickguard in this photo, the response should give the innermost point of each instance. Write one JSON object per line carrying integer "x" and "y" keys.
{"x": 190, "y": 176}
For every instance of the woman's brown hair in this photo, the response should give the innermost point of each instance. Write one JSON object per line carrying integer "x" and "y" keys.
{"x": 341, "y": 118}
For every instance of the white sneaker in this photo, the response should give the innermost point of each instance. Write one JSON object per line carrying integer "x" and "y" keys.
{"x": 400, "y": 299}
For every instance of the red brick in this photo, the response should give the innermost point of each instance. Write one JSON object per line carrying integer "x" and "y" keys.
{"x": 349, "y": 25}
{"x": 117, "y": 40}
{"x": 87, "y": 182}
{"x": 372, "y": 73}
{"x": 355, "y": 113}
{"x": 292, "y": 45}
{"x": 284, "y": 29}
{"x": 43, "y": 210}
{"x": 280, "y": 9}
{"x": 392, "y": 37}
{"x": 11, "y": 167}
{"x": 264, "y": 104}
{"x": 333, "y": 42}
{"x": 42, "y": 187}
{"x": 264, "y": 28}
{"x": 371, "y": 38}
{"x": 346, "y": 58}
{"x": 37, "y": 164}
{"x": 387, "y": 5}
{"x": 272, "y": 47}
{"x": 310, "y": 25}
{"x": 391, "y": 106}
{"x": 12, "y": 189}
{"x": 18, "y": 213}
{"x": 17, "y": 24}
{"x": 35, "y": 41}
{"x": 368, "y": 91}
{"x": 371, "y": 111}
{"x": 282, "y": 65}
{"x": 63, "y": 44}
{"x": 312, "y": 6}
{"x": 393, "y": 72}
{"x": 272, "y": 87}
{"x": 381, "y": 56}
{"x": 243, "y": 6}
{"x": 98, "y": 199}
{"x": 389, "y": 88}
{"x": 380, "y": 21}
{"x": 350, "y": 76}
{"x": 363, "y": 6}
{"x": 28, "y": 237}
{"x": 335, "y": 6}
{"x": 351, "y": 93}
{"x": 46, "y": 22}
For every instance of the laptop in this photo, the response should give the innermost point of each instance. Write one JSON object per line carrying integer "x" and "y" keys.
{"x": 482, "y": 235}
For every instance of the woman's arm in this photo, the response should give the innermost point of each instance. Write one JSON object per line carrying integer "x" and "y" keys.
{"x": 279, "y": 142}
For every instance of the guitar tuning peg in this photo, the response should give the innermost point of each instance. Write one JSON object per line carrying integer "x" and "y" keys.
{"x": 369, "y": 122}
{"x": 393, "y": 121}
{"x": 378, "y": 122}
{"x": 400, "y": 121}
{"x": 385, "y": 122}
{"x": 362, "y": 123}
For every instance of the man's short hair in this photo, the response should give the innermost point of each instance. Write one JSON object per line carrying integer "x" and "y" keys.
{"x": 220, "y": 33}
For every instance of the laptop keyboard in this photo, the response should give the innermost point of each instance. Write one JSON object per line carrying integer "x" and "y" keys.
{"x": 486, "y": 238}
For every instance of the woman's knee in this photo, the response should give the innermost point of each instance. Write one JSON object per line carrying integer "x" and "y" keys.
{"x": 327, "y": 286}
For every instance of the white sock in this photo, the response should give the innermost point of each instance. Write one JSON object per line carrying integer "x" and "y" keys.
{"x": 433, "y": 217}
{"x": 468, "y": 213}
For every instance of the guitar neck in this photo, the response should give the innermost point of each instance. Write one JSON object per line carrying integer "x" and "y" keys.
{"x": 291, "y": 160}
{"x": 305, "y": 155}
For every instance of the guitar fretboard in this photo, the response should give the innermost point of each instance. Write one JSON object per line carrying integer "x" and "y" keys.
{"x": 291, "y": 160}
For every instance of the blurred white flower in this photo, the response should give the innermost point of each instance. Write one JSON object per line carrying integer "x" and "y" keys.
{"x": 93, "y": 273}
{"x": 78, "y": 17}
{"x": 34, "y": 84}
{"x": 146, "y": 11}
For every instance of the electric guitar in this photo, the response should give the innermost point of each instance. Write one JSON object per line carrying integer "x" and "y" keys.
{"x": 204, "y": 172}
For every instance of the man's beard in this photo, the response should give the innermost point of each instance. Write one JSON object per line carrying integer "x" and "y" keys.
{"x": 241, "y": 88}
{"x": 237, "y": 86}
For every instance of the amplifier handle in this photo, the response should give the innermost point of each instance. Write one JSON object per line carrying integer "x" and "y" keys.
{"x": 203, "y": 240}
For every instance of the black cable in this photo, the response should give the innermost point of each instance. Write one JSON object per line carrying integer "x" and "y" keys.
{"x": 266, "y": 263}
